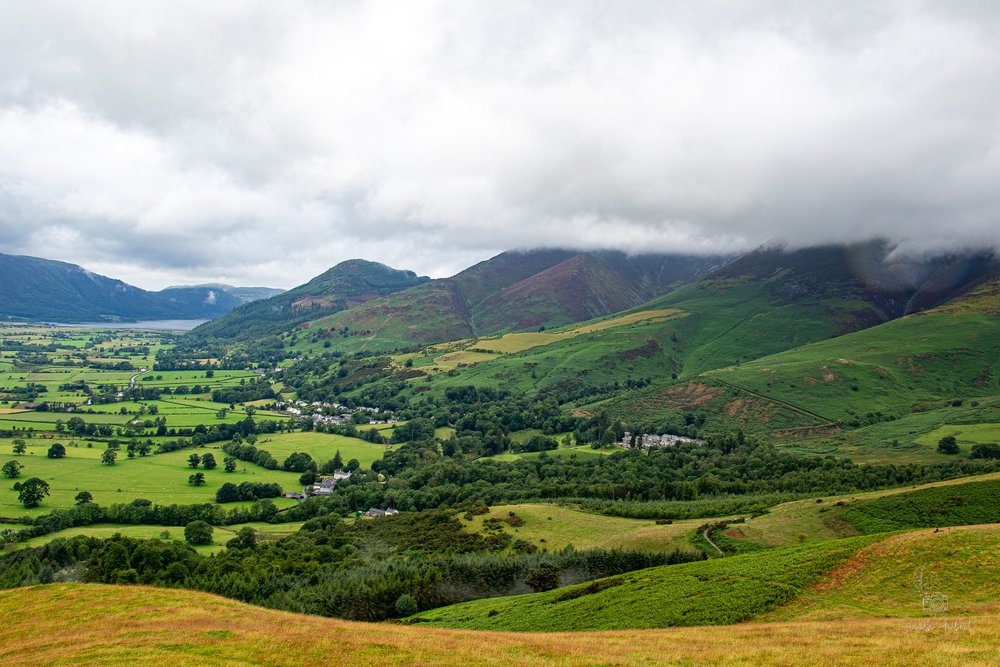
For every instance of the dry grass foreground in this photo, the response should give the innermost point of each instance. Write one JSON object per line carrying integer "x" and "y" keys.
{"x": 93, "y": 624}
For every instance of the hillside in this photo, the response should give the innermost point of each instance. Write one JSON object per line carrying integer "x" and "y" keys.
{"x": 92, "y": 624}
{"x": 850, "y": 578}
{"x": 32, "y": 288}
{"x": 348, "y": 283}
{"x": 512, "y": 291}
{"x": 761, "y": 304}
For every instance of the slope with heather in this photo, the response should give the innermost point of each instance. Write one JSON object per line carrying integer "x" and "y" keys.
{"x": 512, "y": 291}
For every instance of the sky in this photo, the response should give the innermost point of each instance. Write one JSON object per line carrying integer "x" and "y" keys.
{"x": 259, "y": 143}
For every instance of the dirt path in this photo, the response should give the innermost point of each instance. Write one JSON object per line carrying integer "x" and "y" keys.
{"x": 790, "y": 406}
{"x": 709, "y": 540}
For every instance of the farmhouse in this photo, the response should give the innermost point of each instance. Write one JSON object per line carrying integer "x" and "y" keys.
{"x": 326, "y": 485}
{"x": 375, "y": 512}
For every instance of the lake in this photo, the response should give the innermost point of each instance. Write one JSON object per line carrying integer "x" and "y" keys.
{"x": 158, "y": 325}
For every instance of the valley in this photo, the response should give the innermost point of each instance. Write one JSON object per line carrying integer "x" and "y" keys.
{"x": 756, "y": 444}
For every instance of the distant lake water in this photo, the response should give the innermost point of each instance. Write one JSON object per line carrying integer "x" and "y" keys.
{"x": 158, "y": 325}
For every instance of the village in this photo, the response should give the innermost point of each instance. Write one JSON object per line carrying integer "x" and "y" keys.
{"x": 333, "y": 414}
{"x": 648, "y": 441}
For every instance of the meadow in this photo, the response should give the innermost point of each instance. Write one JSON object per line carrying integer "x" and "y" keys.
{"x": 160, "y": 478}
{"x": 555, "y": 527}
{"x": 221, "y": 535}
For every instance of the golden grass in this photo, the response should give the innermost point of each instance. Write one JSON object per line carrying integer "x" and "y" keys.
{"x": 553, "y": 527}
{"x": 112, "y": 625}
{"x": 468, "y": 352}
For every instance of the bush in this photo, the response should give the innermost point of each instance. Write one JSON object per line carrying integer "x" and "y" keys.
{"x": 989, "y": 450}
{"x": 406, "y": 605}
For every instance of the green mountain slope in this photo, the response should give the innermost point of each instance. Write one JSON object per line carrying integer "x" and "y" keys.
{"x": 348, "y": 283}
{"x": 759, "y": 305}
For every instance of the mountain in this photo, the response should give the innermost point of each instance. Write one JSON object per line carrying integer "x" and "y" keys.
{"x": 349, "y": 283}
{"x": 512, "y": 291}
{"x": 32, "y": 288}
{"x": 243, "y": 294}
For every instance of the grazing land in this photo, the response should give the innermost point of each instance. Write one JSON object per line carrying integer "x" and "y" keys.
{"x": 554, "y": 527}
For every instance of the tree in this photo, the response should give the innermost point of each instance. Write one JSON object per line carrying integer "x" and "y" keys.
{"x": 11, "y": 469}
{"x": 307, "y": 478}
{"x": 208, "y": 461}
{"x": 197, "y": 479}
{"x": 108, "y": 456}
{"x": 56, "y": 451}
{"x": 227, "y": 493}
{"x": 32, "y": 492}
{"x": 545, "y": 577}
{"x": 406, "y": 605}
{"x": 229, "y": 464}
{"x": 353, "y": 465}
{"x": 84, "y": 497}
{"x": 198, "y": 532}
{"x": 20, "y": 447}
{"x": 987, "y": 450}
{"x": 299, "y": 462}
{"x": 338, "y": 461}
{"x": 246, "y": 538}
{"x": 948, "y": 445}
{"x": 194, "y": 460}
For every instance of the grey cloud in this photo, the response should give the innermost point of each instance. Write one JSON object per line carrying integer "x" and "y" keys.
{"x": 262, "y": 142}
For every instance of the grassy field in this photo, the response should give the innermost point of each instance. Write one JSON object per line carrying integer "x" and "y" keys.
{"x": 323, "y": 446}
{"x": 161, "y": 478}
{"x": 881, "y": 579}
{"x": 718, "y": 591}
{"x": 221, "y": 535}
{"x": 114, "y": 625}
{"x": 554, "y": 527}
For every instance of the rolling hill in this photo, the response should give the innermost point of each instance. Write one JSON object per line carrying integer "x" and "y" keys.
{"x": 140, "y": 625}
{"x": 512, "y": 291}
{"x": 32, "y": 288}
{"x": 348, "y": 283}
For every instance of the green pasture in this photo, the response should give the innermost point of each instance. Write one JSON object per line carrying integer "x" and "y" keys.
{"x": 322, "y": 447}
{"x": 161, "y": 478}
{"x": 221, "y": 535}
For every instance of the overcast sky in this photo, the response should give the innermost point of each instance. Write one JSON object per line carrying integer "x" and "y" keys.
{"x": 262, "y": 142}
